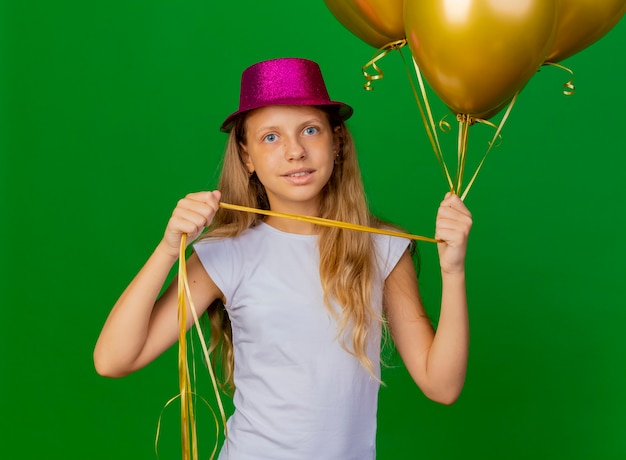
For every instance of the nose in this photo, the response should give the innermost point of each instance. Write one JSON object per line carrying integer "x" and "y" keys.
{"x": 294, "y": 149}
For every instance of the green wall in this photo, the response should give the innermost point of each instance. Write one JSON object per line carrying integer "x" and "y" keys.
{"x": 109, "y": 113}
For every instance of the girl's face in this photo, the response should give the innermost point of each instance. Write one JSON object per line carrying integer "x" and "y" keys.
{"x": 292, "y": 149}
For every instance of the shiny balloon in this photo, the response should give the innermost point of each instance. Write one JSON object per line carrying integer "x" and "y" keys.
{"x": 376, "y": 22}
{"x": 581, "y": 23}
{"x": 492, "y": 112}
{"x": 476, "y": 54}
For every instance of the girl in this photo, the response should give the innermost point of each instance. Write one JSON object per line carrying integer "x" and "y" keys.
{"x": 296, "y": 309}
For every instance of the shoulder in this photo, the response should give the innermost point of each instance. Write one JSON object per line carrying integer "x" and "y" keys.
{"x": 224, "y": 248}
{"x": 253, "y": 243}
{"x": 389, "y": 250}
{"x": 225, "y": 238}
{"x": 226, "y": 258}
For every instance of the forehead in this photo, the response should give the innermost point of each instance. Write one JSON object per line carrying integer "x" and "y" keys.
{"x": 284, "y": 114}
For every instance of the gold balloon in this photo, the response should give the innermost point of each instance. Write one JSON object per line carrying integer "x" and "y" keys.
{"x": 376, "y": 22}
{"x": 581, "y": 23}
{"x": 476, "y": 54}
{"x": 492, "y": 112}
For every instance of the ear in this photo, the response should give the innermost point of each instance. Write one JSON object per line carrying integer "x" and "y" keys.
{"x": 245, "y": 157}
{"x": 337, "y": 139}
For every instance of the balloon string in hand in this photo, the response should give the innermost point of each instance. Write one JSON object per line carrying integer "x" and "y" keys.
{"x": 328, "y": 222}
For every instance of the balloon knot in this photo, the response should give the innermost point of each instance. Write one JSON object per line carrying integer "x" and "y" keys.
{"x": 465, "y": 118}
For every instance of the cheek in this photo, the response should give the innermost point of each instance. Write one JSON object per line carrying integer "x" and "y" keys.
{"x": 323, "y": 148}
{"x": 264, "y": 163}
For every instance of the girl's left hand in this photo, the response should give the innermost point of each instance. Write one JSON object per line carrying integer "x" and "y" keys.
{"x": 454, "y": 222}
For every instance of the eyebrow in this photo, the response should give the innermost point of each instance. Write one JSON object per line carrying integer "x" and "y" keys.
{"x": 309, "y": 121}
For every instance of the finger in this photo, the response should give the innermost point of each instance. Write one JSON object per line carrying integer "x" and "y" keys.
{"x": 181, "y": 226}
{"x": 451, "y": 237}
{"x": 462, "y": 224}
{"x": 454, "y": 215}
{"x": 453, "y": 207}
{"x": 453, "y": 201}
{"x": 205, "y": 204}
{"x": 217, "y": 195}
{"x": 198, "y": 214}
{"x": 206, "y": 196}
{"x": 453, "y": 221}
{"x": 210, "y": 198}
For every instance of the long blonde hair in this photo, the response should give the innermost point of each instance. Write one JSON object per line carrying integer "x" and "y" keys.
{"x": 347, "y": 266}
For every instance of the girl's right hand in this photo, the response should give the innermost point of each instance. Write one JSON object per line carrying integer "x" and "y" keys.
{"x": 191, "y": 215}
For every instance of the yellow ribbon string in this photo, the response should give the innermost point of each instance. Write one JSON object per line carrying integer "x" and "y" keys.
{"x": 491, "y": 144}
{"x": 328, "y": 222}
{"x": 188, "y": 440}
{"x": 465, "y": 121}
{"x": 569, "y": 86}
{"x": 431, "y": 130}
{"x": 189, "y": 443}
{"x": 378, "y": 55}
{"x": 205, "y": 350}
{"x": 488, "y": 123}
{"x": 188, "y": 423}
{"x": 432, "y": 133}
{"x": 158, "y": 429}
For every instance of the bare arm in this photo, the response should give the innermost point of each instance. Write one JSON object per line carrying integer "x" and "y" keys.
{"x": 437, "y": 361}
{"x": 140, "y": 327}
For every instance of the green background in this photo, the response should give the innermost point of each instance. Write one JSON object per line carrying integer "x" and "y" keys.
{"x": 109, "y": 114}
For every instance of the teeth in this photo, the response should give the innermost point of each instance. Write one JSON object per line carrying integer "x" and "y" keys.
{"x": 300, "y": 174}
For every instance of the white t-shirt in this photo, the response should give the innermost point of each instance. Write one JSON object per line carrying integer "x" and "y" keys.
{"x": 299, "y": 394}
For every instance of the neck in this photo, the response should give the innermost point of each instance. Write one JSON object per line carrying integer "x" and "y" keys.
{"x": 310, "y": 208}
{"x": 291, "y": 226}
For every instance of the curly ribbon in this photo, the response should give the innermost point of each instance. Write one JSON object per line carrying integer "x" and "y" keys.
{"x": 188, "y": 422}
{"x": 380, "y": 53}
{"x": 158, "y": 429}
{"x": 496, "y": 136}
{"x": 444, "y": 126}
{"x": 569, "y": 86}
{"x": 328, "y": 222}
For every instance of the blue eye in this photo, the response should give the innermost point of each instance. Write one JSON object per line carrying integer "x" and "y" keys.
{"x": 311, "y": 130}
{"x": 270, "y": 138}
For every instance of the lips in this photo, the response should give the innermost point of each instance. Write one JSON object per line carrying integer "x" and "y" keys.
{"x": 299, "y": 176}
{"x": 300, "y": 172}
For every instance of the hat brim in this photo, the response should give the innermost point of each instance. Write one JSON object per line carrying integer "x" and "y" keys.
{"x": 344, "y": 111}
